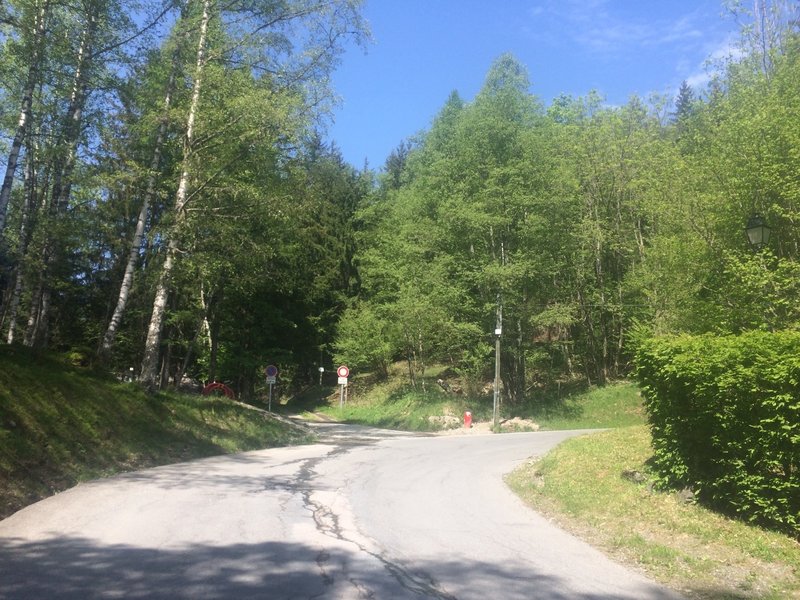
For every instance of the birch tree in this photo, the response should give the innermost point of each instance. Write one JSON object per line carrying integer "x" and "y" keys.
{"x": 34, "y": 16}
{"x": 63, "y": 168}
{"x": 138, "y": 235}
{"x": 149, "y": 370}
{"x": 261, "y": 36}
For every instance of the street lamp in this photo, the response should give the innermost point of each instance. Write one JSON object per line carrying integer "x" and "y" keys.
{"x": 758, "y": 232}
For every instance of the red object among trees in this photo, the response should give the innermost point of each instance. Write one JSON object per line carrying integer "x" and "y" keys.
{"x": 216, "y": 385}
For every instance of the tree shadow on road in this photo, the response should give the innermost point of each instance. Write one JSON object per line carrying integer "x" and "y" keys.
{"x": 79, "y": 568}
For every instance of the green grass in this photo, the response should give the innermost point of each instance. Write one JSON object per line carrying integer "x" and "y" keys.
{"x": 60, "y": 425}
{"x": 581, "y": 485}
{"x": 394, "y": 404}
{"x": 615, "y": 405}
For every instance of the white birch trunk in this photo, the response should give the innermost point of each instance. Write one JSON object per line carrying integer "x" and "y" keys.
{"x": 62, "y": 179}
{"x": 24, "y": 238}
{"x": 25, "y": 113}
{"x": 62, "y": 182}
{"x": 149, "y": 373}
{"x": 136, "y": 242}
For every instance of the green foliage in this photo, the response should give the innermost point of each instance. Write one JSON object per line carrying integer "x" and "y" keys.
{"x": 582, "y": 221}
{"x": 725, "y": 418}
{"x": 267, "y": 283}
{"x": 365, "y": 340}
{"x": 588, "y": 223}
{"x": 467, "y": 226}
{"x": 756, "y": 291}
{"x": 265, "y": 246}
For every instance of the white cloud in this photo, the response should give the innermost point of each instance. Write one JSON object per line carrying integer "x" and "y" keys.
{"x": 728, "y": 50}
{"x": 698, "y": 81}
{"x": 716, "y": 57}
{"x": 595, "y": 25}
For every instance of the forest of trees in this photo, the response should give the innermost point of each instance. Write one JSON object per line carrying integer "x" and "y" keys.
{"x": 577, "y": 227}
{"x": 169, "y": 205}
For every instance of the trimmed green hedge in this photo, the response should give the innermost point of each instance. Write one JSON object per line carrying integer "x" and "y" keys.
{"x": 725, "y": 418}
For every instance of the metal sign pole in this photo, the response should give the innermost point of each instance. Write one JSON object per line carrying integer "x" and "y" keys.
{"x": 343, "y": 372}
{"x": 272, "y": 374}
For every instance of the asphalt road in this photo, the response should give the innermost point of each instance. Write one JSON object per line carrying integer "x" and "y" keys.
{"x": 365, "y": 514}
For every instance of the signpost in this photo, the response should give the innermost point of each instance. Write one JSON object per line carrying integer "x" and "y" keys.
{"x": 272, "y": 375}
{"x": 343, "y": 372}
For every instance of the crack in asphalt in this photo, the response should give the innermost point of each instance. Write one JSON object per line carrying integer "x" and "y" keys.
{"x": 326, "y": 522}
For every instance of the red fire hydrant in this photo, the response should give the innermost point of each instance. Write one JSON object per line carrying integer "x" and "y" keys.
{"x": 467, "y": 420}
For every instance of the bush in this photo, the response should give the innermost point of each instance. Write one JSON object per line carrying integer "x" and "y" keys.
{"x": 725, "y": 417}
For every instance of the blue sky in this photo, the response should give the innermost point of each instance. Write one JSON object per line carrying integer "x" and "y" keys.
{"x": 424, "y": 49}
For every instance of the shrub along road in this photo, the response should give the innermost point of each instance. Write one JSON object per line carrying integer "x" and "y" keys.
{"x": 364, "y": 514}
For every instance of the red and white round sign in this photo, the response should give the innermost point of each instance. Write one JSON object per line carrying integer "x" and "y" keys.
{"x": 343, "y": 371}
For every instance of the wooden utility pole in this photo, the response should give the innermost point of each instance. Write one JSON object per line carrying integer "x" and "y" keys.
{"x": 498, "y": 331}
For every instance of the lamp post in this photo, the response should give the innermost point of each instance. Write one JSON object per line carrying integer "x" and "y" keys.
{"x": 758, "y": 232}
{"x": 758, "y": 235}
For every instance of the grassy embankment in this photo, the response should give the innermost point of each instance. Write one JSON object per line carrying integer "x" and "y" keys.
{"x": 393, "y": 405}
{"x": 60, "y": 425}
{"x": 598, "y": 487}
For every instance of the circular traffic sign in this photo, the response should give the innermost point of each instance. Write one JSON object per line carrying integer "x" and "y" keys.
{"x": 343, "y": 371}
{"x": 272, "y": 371}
